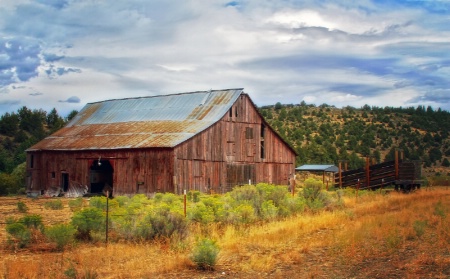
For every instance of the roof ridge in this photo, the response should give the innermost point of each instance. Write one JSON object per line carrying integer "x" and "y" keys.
{"x": 164, "y": 95}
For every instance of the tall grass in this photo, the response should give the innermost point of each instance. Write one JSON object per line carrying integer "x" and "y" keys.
{"x": 393, "y": 235}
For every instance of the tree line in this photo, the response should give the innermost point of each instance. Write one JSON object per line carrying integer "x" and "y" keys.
{"x": 18, "y": 131}
{"x": 325, "y": 134}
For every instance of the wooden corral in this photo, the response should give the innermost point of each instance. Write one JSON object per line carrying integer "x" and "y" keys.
{"x": 211, "y": 141}
{"x": 405, "y": 175}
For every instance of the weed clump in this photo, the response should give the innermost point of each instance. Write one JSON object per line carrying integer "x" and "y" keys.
{"x": 54, "y": 205}
{"x": 205, "y": 253}
{"x": 62, "y": 235}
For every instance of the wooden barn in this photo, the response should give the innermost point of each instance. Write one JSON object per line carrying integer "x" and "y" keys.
{"x": 208, "y": 141}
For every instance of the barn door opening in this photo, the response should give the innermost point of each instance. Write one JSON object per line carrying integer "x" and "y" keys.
{"x": 64, "y": 181}
{"x": 101, "y": 176}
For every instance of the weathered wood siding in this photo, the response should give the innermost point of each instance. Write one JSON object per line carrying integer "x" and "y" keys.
{"x": 229, "y": 153}
{"x": 134, "y": 171}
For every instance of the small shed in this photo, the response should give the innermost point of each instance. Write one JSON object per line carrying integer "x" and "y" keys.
{"x": 331, "y": 169}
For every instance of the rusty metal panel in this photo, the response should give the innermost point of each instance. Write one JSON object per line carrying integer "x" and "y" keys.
{"x": 147, "y": 122}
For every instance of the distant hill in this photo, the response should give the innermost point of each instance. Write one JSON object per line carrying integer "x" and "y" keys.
{"x": 319, "y": 134}
{"x": 326, "y": 134}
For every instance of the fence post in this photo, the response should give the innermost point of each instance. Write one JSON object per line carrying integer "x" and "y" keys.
{"x": 357, "y": 188}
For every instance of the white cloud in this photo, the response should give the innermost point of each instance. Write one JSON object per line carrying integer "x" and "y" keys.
{"x": 338, "y": 52}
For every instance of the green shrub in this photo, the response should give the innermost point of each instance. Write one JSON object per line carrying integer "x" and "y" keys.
{"x": 122, "y": 200}
{"x": 312, "y": 189}
{"x": 205, "y": 253}
{"x": 22, "y": 207}
{"x": 164, "y": 223}
{"x": 194, "y": 196}
{"x": 244, "y": 213}
{"x": 54, "y": 205}
{"x": 201, "y": 213}
{"x": 33, "y": 221}
{"x": 216, "y": 205}
{"x": 62, "y": 235}
{"x": 275, "y": 193}
{"x": 419, "y": 227}
{"x": 19, "y": 236}
{"x": 269, "y": 210}
{"x": 101, "y": 202}
{"x": 88, "y": 220}
{"x": 76, "y": 204}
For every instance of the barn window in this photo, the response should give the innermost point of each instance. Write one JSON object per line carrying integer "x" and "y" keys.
{"x": 31, "y": 161}
{"x": 235, "y": 112}
{"x": 263, "y": 130}
{"x": 53, "y": 174}
{"x": 249, "y": 133}
{"x": 231, "y": 112}
{"x": 263, "y": 154}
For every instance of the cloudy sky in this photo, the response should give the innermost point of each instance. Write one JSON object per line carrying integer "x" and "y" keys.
{"x": 65, "y": 53}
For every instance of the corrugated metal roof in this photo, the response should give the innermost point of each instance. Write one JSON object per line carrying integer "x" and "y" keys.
{"x": 325, "y": 168}
{"x": 157, "y": 121}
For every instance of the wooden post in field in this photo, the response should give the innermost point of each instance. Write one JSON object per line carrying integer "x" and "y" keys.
{"x": 357, "y": 188}
{"x": 292, "y": 184}
{"x": 340, "y": 175}
{"x": 382, "y": 183}
{"x": 327, "y": 183}
{"x": 367, "y": 172}
{"x": 396, "y": 164}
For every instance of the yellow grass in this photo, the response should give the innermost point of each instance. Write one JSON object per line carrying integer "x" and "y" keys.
{"x": 371, "y": 237}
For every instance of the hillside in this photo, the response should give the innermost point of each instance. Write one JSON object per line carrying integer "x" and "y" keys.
{"x": 323, "y": 134}
{"x": 326, "y": 134}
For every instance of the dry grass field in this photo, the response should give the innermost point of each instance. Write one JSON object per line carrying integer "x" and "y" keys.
{"x": 375, "y": 236}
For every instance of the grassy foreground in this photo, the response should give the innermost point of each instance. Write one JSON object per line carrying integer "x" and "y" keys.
{"x": 375, "y": 236}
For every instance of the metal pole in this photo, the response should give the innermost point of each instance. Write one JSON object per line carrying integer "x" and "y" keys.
{"x": 357, "y": 188}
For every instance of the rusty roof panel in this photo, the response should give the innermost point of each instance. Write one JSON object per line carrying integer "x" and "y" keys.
{"x": 158, "y": 121}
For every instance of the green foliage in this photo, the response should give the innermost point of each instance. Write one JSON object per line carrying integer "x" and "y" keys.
{"x": 62, "y": 235}
{"x": 194, "y": 196}
{"x": 54, "y": 205}
{"x": 100, "y": 203}
{"x": 205, "y": 254}
{"x": 164, "y": 223}
{"x": 419, "y": 227}
{"x": 440, "y": 210}
{"x": 201, "y": 213}
{"x": 33, "y": 221}
{"x": 313, "y": 194}
{"x": 18, "y": 235}
{"x": 318, "y": 135}
{"x": 76, "y": 204}
{"x": 88, "y": 220}
{"x": 22, "y": 207}
{"x": 242, "y": 214}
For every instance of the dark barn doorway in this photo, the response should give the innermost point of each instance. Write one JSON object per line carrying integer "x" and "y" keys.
{"x": 101, "y": 176}
{"x": 65, "y": 181}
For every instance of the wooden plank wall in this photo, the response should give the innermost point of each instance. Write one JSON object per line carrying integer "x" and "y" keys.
{"x": 135, "y": 171}
{"x": 229, "y": 154}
